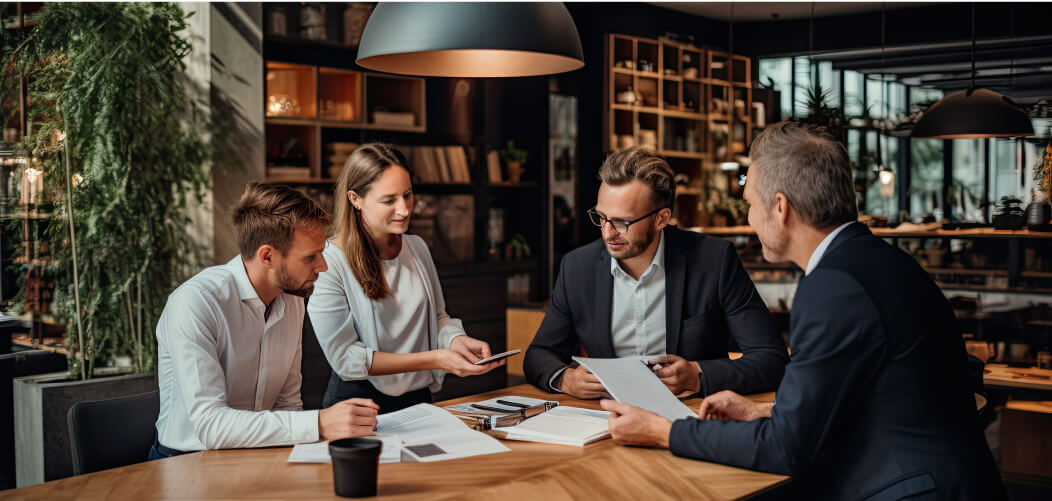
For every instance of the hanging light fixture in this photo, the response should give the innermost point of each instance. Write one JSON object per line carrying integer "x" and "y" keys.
{"x": 471, "y": 40}
{"x": 974, "y": 113}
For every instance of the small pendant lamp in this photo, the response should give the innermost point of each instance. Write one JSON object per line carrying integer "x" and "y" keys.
{"x": 973, "y": 113}
{"x": 470, "y": 40}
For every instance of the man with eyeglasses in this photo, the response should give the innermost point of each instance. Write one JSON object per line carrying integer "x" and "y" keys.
{"x": 650, "y": 290}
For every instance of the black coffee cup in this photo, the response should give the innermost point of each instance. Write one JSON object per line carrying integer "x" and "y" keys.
{"x": 355, "y": 465}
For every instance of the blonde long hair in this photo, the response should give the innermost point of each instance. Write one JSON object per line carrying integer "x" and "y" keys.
{"x": 362, "y": 169}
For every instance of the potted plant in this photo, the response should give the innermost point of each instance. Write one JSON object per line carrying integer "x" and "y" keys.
{"x": 119, "y": 143}
{"x": 735, "y": 209}
{"x": 515, "y": 158}
{"x": 1009, "y": 214}
{"x": 1039, "y": 212}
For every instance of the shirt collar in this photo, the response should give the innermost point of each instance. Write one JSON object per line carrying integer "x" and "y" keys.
{"x": 245, "y": 290}
{"x": 659, "y": 260}
{"x": 820, "y": 251}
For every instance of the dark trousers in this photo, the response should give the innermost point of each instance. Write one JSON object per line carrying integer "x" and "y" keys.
{"x": 158, "y": 451}
{"x": 340, "y": 390}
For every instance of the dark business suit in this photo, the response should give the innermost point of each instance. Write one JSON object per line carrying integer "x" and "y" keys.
{"x": 876, "y": 402}
{"x": 708, "y": 296}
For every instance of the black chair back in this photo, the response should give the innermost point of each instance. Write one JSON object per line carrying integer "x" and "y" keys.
{"x": 115, "y": 432}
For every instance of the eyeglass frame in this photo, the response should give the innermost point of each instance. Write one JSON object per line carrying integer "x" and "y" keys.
{"x": 628, "y": 224}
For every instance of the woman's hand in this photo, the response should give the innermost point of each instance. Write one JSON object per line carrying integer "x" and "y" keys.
{"x": 455, "y": 363}
{"x": 472, "y": 349}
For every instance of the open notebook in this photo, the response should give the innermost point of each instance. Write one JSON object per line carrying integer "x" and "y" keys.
{"x": 562, "y": 425}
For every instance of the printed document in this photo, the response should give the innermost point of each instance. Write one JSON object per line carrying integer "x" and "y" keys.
{"x": 430, "y": 433}
{"x": 631, "y": 382}
{"x": 318, "y": 452}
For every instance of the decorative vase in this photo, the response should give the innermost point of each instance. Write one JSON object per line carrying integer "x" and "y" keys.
{"x": 1038, "y": 215}
{"x": 514, "y": 171}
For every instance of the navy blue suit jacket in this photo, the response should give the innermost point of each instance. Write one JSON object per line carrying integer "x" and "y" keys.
{"x": 875, "y": 402}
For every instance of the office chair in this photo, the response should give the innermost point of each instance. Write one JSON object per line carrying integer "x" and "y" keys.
{"x": 114, "y": 432}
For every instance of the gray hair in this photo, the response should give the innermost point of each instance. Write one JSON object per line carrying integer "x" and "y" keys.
{"x": 639, "y": 164}
{"x": 807, "y": 165}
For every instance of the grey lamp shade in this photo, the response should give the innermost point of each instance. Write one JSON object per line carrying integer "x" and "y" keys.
{"x": 472, "y": 40}
{"x": 973, "y": 113}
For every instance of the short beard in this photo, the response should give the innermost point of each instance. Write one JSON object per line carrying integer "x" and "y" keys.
{"x": 288, "y": 287}
{"x": 637, "y": 248}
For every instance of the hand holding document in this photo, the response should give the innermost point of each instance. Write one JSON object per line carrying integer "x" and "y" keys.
{"x": 630, "y": 381}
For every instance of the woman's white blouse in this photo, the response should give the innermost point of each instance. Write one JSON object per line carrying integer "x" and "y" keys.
{"x": 350, "y": 326}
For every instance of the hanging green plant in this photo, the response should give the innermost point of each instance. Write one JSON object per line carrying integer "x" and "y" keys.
{"x": 119, "y": 142}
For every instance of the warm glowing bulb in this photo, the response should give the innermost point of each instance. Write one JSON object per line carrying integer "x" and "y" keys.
{"x": 887, "y": 177}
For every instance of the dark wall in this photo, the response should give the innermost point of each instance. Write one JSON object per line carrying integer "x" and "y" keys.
{"x": 594, "y": 21}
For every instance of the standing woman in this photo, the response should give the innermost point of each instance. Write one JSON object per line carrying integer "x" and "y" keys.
{"x": 378, "y": 312}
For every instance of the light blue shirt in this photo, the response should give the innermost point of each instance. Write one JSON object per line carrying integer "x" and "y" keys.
{"x": 637, "y": 316}
{"x": 820, "y": 251}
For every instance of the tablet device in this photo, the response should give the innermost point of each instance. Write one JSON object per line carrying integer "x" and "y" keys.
{"x": 499, "y": 356}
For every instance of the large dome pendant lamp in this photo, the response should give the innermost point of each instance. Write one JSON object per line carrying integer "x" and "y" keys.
{"x": 973, "y": 113}
{"x": 470, "y": 40}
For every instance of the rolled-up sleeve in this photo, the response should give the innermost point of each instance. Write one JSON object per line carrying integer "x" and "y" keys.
{"x": 330, "y": 314}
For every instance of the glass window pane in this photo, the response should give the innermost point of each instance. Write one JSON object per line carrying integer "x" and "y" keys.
{"x": 875, "y": 98}
{"x": 802, "y": 74}
{"x": 853, "y": 89}
{"x": 1007, "y": 178}
{"x": 829, "y": 79}
{"x": 926, "y": 177}
{"x": 881, "y": 195}
{"x": 968, "y": 173}
{"x": 921, "y": 98}
{"x": 897, "y": 96}
{"x": 778, "y": 72}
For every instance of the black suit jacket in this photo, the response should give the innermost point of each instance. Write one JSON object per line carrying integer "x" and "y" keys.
{"x": 708, "y": 297}
{"x": 876, "y": 402}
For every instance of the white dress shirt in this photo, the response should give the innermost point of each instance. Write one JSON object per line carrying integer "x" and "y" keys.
{"x": 637, "y": 314}
{"x": 228, "y": 377}
{"x": 816, "y": 256}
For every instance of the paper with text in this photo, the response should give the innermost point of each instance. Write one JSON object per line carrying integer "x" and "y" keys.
{"x": 631, "y": 382}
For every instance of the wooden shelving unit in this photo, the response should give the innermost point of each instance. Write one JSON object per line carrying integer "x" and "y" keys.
{"x": 691, "y": 105}
{"x": 303, "y": 102}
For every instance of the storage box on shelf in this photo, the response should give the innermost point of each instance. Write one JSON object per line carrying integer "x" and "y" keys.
{"x": 691, "y": 105}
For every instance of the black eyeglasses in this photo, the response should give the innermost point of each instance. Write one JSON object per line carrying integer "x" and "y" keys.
{"x": 619, "y": 225}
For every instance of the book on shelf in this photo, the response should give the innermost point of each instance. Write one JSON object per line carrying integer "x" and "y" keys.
{"x": 458, "y": 162}
{"x": 493, "y": 167}
{"x": 288, "y": 172}
{"x": 444, "y": 172}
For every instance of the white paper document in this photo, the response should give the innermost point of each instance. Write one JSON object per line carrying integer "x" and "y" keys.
{"x": 431, "y": 433}
{"x": 562, "y": 425}
{"x": 631, "y": 382}
{"x": 318, "y": 452}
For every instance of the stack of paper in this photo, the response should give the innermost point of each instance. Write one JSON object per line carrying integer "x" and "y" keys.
{"x": 430, "y": 433}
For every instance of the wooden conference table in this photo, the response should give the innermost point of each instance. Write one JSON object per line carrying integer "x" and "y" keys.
{"x": 601, "y": 470}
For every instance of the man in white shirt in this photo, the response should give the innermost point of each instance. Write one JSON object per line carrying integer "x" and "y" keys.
{"x": 229, "y": 339}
